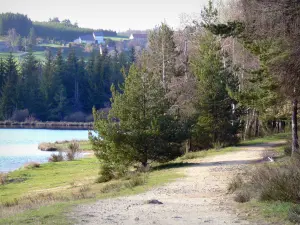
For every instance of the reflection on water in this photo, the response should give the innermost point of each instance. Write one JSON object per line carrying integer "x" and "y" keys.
{"x": 20, "y": 146}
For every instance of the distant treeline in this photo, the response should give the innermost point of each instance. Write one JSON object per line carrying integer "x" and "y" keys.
{"x": 59, "y": 89}
{"x": 56, "y": 30}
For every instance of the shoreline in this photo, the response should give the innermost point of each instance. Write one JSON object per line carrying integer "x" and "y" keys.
{"x": 46, "y": 125}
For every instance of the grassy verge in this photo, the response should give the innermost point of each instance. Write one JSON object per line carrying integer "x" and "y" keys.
{"x": 44, "y": 195}
{"x": 275, "y": 137}
{"x": 272, "y": 212}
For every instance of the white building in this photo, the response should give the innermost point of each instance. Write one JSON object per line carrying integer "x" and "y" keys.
{"x": 87, "y": 39}
{"x": 98, "y": 37}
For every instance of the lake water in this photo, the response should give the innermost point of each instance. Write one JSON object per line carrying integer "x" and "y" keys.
{"x": 20, "y": 146}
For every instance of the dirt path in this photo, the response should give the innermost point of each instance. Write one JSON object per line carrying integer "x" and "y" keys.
{"x": 199, "y": 198}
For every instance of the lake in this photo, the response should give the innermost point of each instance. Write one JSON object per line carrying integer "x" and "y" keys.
{"x": 20, "y": 146}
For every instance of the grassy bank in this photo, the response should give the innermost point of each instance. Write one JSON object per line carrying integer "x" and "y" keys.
{"x": 43, "y": 195}
{"x": 85, "y": 146}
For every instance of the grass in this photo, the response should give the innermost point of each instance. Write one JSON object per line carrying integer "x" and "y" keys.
{"x": 274, "y": 212}
{"x": 51, "y": 45}
{"x": 70, "y": 183}
{"x": 122, "y": 38}
{"x": 42, "y": 178}
{"x": 83, "y": 145}
{"x": 275, "y": 137}
{"x": 74, "y": 183}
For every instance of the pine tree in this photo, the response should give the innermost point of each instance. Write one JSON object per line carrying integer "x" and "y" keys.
{"x": 2, "y": 73}
{"x": 9, "y": 92}
{"x": 60, "y": 106}
{"x": 30, "y": 84}
{"x": 216, "y": 123}
{"x": 138, "y": 128}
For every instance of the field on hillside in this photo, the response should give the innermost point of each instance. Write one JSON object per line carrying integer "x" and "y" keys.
{"x": 118, "y": 38}
{"x": 40, "y": 52}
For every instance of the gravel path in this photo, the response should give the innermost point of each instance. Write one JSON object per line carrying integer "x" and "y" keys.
{"x": 199, "y": 198}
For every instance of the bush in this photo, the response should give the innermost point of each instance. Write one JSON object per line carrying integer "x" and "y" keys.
{"x": 242, "y": 196}
{"x": 3, "y": 178}
{"x": 294, "y": 214}
{"x": 20, "y": 115}
{"x": 288, "y": 148}
{"x": 75, "y": 117}
{"x": 275, "y": 182}
{"x": 136, "y": 180}
{"x": 32, "y": 165}
{"x": 56, "y": 157}
{"x": 236, "y": 183}
{"x": 74, "y": 150}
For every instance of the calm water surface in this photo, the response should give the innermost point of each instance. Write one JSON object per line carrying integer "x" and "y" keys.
{"x": 20, "y": 146}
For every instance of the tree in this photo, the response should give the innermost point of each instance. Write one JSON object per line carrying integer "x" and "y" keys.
{"x": 162, "y": 50}
{"x": 21, "y": 23}
{"x": 12, "y": 39}
{"x": 9, "y": 91}
{"x": 2, "y": 75}
{"x": 32, "y": 37}
{"x": 137, "y": 129}
{"x": 217, "y": 122}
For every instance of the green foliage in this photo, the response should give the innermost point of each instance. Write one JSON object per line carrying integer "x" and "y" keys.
{"x": 9, "y": 96}
{"x": 217, "y": 121}
{"x": 138, "y": 128}
{"x": 20, "y": 22}
{"x": 57, "y": 88}
{"x": 64, "y": 31}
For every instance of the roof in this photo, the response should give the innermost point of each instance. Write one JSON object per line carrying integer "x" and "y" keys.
{"x": 145, "y": 36}
{"x": 88, "y": 37}
{"x": 99, "y": 33}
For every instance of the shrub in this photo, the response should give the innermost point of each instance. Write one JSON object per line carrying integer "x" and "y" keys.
{"x": 20, "y": 115}
{"x": 136, "y": 180}
{"x": 3, "y": 178}
{"x": 73, "y": 151}
{"x": 236, "y": 183}
{"x": 115, "y": 186}
{"x": 56, "y": 157}
{"x": 32, "y": 165}
{"x": 275, "y": 182}
{"x": 279, "y": 182}
{"x": 84, "y": 188}
{"x": 242, "y": 196}
{"x": 288, "y": 148}
{"x": 294, "y": 214}
{"x": 48, "y": 147}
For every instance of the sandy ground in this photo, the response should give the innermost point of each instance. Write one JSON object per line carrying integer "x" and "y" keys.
{"x": 199, "y": 198}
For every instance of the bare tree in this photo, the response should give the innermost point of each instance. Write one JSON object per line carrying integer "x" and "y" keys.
{"x": 13, "y": 39}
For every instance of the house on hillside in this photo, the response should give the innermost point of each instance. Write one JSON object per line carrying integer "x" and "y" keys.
{"x": 98, "y": 37}
{"x": 87, "y": 39}
{"x": 138, "y": 37}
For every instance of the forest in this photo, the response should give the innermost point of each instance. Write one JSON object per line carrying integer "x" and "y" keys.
{"x": 53, "y": 29}
{"x": 59, "y": 89}
{"x": 228, "y": 77}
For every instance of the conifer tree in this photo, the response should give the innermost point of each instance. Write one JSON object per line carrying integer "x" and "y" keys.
{"x": 138, "y": 128}
{"x": 9, "y": 92}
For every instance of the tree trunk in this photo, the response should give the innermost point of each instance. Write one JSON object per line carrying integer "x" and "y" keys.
{"x": 257, "y": 124}
{"x": 295, "y": 144}
{"x": 188, "y": 145}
